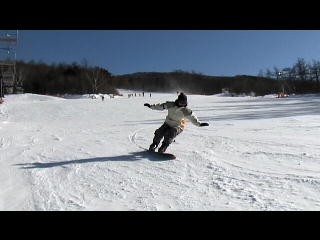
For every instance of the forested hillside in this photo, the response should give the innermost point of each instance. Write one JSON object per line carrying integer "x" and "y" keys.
{"x": 194, "y": 83}
{"x": 41, "y": 78}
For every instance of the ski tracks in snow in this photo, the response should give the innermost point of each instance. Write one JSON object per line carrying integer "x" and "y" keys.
{"x": 258, "y": 186}
{"x": 206, "y": 178}
{"x": 231, "y": 165}
{"x": 134, "y": 138}
{"x": 232, "y": 173}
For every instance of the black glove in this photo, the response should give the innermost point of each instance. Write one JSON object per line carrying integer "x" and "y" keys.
{"x": 204, "y": 124}
{"x": 147, "y": 105}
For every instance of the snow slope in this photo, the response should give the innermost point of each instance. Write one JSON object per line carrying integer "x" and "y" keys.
{"x": 259, "y": 153}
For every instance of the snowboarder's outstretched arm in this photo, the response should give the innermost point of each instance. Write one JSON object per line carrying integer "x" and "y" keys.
{"x": 159, "y": 106}
{"x": 193, "y": 118}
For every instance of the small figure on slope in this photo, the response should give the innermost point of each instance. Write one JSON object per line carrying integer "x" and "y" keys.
{"x": 175, "y": 122}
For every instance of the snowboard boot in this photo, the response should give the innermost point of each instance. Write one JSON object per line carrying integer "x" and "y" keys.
{"x": 163, "y": 148}
{"x": 153, "y": 147}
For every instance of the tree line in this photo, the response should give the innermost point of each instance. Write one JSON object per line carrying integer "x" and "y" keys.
{"x": 41, "y": 78}
{"x": 195, "y": 83}
{"x": 301, "y": 77}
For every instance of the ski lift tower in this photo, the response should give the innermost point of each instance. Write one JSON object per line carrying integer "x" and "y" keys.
{"x": 8, "y": 46}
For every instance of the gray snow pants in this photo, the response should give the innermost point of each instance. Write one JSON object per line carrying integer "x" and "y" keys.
{"x": 166, "y": 132}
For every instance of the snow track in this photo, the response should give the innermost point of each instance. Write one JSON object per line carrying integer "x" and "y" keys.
{"x": 135, "y": 138}
{"x": 84, "y": 154}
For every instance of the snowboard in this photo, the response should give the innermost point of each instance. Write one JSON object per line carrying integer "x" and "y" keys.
{"x": 165, "y": 156}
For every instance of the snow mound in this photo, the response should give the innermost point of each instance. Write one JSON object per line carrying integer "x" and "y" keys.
{"x": 76, "y": 96}
{"x": 28, "y": 97}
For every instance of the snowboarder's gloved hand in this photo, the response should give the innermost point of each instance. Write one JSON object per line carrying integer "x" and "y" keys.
{"x": 147, "y": 105}
{"x": 204, "y": 124}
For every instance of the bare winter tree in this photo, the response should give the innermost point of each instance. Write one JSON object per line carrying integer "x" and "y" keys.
{"x": 269, "y": 73}
{"x": 301, "y": 69}
{"x": 94, "y": 75}
{"x": 98, "y": 78}
{"x": 19, "y": 79}
{"x": 315, "y": 71}
{"x": 276, "y": 71}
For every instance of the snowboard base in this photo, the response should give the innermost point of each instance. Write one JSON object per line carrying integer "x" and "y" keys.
{"x": 163, "y": 155}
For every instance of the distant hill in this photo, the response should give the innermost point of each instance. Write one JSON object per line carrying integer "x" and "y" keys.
{"x": 41, "y": 78}
{"x": 195, "y": 83}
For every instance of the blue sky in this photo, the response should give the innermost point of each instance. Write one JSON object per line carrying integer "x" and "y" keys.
{"x": 211, "y": 52}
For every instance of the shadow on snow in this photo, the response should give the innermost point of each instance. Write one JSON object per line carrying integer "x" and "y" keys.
{"x": 135, "y": 156}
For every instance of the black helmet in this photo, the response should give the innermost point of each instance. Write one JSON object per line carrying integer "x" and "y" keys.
{"x": 182, "y": 100}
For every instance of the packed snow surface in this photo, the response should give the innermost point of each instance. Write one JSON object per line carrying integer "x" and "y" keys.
{"x": 259, "y": 153}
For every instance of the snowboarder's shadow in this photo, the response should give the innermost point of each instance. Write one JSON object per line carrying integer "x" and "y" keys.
{"x": 135, "y": 156}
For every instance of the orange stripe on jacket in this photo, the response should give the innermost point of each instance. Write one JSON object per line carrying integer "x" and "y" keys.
{"x": 183, "y": 123}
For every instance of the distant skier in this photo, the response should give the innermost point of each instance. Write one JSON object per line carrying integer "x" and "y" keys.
{"x": 175, "y": 122}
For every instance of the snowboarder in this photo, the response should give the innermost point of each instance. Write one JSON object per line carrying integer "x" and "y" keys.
{"x": 175, "y": 122}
